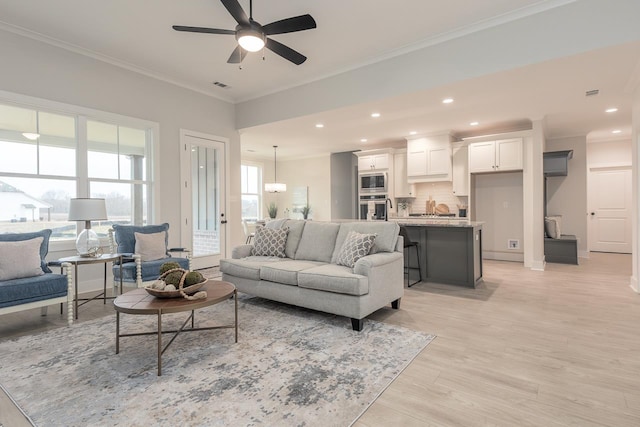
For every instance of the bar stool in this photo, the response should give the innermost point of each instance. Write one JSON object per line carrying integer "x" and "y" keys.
{"x": 408, "y": 244}
{"x": 248, "y": 235}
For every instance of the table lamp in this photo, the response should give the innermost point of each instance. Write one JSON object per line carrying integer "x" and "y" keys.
{"x": 87, "y": 210}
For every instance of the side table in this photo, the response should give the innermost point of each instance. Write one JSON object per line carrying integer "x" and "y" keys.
{"x": 79, "y": 260}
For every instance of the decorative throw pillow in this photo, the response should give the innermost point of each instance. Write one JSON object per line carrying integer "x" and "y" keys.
{"x": 20, "y": 259}
{"x": 270, "y": 242}
{"x": 355, "y": 246}
{"x": 151, "y": 246}
{"x": 553, "y": 225}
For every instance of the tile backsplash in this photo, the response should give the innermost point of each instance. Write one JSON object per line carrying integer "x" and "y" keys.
{"x": 441, "y": 192}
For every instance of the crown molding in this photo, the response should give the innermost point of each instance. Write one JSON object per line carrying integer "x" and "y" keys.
{"x": 105, "y": 58}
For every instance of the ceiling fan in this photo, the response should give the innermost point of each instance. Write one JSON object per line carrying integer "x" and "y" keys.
{"x": 252, "y": 36}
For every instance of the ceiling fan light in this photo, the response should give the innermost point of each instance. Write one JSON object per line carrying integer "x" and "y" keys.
{"x": 250, "y": 40}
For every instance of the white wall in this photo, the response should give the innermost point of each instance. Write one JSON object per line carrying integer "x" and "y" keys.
{"x": 498, "y": 202}
{"x": 567, "y": 195}
{"x": 609, "y": 153}
{"x": 40, "y": 70}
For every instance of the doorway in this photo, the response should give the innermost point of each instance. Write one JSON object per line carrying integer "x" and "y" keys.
{"x": 609, "y": 192}
{"x": 203, "y": 196}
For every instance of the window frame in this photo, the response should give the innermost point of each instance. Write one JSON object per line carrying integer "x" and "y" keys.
{"x": 260, "y": 194}
{"x": 81, "y": 116}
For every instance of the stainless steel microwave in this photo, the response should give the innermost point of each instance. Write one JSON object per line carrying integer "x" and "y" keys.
{"x": 373, "y": 183}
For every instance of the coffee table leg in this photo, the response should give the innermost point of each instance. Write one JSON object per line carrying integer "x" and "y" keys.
{"x": 159, "y": 342}
{"x": 193, "y": 316}
{"x": 235, "y": 299}
{"x": 117, "y": 332}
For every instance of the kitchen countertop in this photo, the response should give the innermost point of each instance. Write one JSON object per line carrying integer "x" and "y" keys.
{"x": 436, "y": 221}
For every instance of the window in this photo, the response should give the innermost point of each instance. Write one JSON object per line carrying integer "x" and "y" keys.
{"x": 251, "y": 192}
{"x": 50, "y": 157}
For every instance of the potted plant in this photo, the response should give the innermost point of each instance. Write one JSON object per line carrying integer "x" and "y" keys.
{"x": 273, "y": 210}
{"x": 306, "y": 210}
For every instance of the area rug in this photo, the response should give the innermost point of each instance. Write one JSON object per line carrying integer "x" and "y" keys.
{"x": 290, "y": 367}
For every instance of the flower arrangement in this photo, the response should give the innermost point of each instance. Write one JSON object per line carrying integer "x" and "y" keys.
{"x": 306, "y": 210}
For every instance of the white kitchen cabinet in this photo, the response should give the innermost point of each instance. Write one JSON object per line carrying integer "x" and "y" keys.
{"x": 373, "y": 162}
{"x": 495, "y": 156}
{"x": 460, "y": 172}
{"x": 402, "y": 188}
{"x": 428, "y": 159}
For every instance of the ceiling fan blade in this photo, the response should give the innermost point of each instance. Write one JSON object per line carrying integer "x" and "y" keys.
{"x": 237, "y": 55}
{"x": 285, "y": 51}
{"x": 203, "y": 30}
{"x": 290, "y": 25}
{"x": 236, "y": 11}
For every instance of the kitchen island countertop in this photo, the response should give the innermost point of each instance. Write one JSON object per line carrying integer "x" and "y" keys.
{"x": 436, "y": 222}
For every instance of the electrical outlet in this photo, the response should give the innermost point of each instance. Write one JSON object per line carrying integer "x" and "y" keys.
{"x": 513, "y": 244}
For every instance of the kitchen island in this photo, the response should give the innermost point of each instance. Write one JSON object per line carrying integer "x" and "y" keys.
{"x": 450, "y": 249}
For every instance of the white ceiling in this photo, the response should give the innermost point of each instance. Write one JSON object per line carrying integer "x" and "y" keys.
{"x": 138, "y": 35}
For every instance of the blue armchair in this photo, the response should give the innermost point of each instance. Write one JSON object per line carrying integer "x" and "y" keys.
{"x": 25, "y": 291}
{"x": 144, "y": 249}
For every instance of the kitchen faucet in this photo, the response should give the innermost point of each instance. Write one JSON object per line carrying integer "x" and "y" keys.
{"x": 386, "y": 210}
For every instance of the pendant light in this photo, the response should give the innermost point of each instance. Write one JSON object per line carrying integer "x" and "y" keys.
{"x": 275, "y": 186}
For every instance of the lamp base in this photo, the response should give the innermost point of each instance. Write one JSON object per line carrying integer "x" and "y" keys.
{"x": 88, "y": 243}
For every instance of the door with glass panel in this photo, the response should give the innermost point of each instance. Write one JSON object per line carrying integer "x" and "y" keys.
{"x": 203, "y": 198}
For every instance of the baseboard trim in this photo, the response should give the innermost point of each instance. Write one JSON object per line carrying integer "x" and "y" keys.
{"x": 503, "y": 256}
{"x": 634, "y": 285}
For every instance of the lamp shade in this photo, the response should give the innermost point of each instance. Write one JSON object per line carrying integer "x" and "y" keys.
{"x": 87, "y": 210}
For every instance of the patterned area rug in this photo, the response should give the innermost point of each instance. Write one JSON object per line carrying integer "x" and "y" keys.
{"x": 290, "y": 367}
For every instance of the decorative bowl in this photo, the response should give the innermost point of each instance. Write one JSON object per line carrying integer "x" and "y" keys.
{"x": 189, "y": 290}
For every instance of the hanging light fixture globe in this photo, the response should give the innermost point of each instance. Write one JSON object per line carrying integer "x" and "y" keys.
{"x": 275, "y": 186}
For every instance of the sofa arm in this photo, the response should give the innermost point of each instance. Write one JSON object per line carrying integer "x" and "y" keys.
{"x": 241, "y": 251}
{"x": 365, "y": 264}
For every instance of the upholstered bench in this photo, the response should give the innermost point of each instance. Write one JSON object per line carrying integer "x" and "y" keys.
{"x": 25, "y": 280}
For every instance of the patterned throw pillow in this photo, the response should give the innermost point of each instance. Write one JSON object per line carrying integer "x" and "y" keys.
{"x": 355, "y": 246}
{"x": 270, "y": 241}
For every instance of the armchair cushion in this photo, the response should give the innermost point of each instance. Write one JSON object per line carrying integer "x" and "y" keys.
{"x": 31, "y": 289}
{"x": 44, "y": 246}
{"x": 126, "y": 239}
{"x": 150, "y": 269}
{"x": 20, "y": 259}
{"x": 151, "y": 246}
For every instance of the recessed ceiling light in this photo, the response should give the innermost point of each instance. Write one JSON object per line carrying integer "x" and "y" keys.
{"x": 413, "y": 132}
{"x": 611, "y": 110}
{"x": 474, "y": 123}
{"x": 375, "y": 115}
{"x": 31, "y": 136}
{"x": 363, "y": 140}
{"x": 616, "y": 131}
{"x": 447, "y": 100}
{"x": 319, "y": 125}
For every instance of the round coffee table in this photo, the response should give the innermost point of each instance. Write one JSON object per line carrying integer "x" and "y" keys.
{"x": 140, "y": 302}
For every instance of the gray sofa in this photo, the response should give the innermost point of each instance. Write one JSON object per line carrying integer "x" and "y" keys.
{"x": 309, "y": 277}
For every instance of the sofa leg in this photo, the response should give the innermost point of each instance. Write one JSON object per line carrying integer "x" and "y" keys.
{"x": 396, "y": 304}
{"x": 43, "y": 311}
{"x": 357, "y": 324}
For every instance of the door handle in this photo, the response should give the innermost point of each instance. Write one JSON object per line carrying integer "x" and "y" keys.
{"x": 593, "y": 213}
{"x": 224, "y": 221}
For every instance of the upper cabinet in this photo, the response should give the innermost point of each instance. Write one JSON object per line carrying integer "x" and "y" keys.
{"x": 460, "y": 174}
{"x": 429, "y": 159}
{"x": 495, "y": 156}
{"x": 402, "y": 188}
{"x": 373, "y": 162}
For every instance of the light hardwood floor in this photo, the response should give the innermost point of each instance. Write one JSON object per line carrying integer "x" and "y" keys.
{"x": 553, "y": 348}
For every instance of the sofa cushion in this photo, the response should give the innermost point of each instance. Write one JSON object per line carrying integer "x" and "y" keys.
{"x": 355, "y": 246}
{"x": 333, "y": 278}
{"x": 270, "y": 242}
{"x": 296, "y": 228}
{"x": 44, "y": 246}
{"x": 126, "y": 239}
{"x": 20, "y": 259}
{"x": 151, "y": 246}
{"x": 247, "y": 268}
{"x": 386, "y": 235}
{"x": 317, "y": 242}
{"x": 285, "y": 272}
{"x": 30, "y": 289}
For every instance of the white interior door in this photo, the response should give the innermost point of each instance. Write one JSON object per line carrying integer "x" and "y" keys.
{"x": 610, "y": 210}
{"x": 203, "y": 163}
